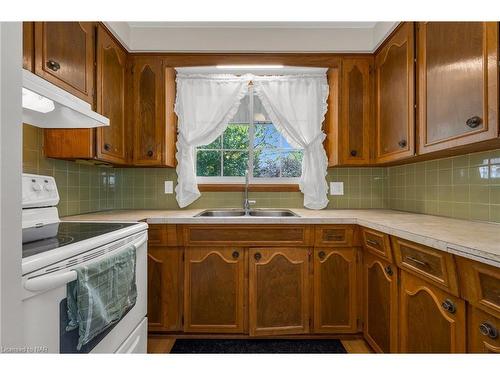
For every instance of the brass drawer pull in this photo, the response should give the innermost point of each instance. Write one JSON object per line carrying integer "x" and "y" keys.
{"x": 489, "y": 330}
{"x": 372, "y": 242}
{"x": 334, "y": 237}
{"x": 417, "y": 261}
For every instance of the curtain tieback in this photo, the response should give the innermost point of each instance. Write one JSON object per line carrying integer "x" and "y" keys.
{"x": 318, "y": 139}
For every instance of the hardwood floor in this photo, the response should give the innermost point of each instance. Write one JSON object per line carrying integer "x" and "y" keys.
{"x": 356, "y": 346}
{"x": 159, "y": 344}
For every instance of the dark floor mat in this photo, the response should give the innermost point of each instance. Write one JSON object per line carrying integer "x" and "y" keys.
{"x": 188, "y": 346}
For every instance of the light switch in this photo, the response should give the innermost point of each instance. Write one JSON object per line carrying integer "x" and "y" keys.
{"x": 336, "y": 188}
{"x": 169, "y": 187}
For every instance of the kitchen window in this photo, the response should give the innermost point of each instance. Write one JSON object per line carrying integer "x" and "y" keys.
{"x": 252, "y": 142}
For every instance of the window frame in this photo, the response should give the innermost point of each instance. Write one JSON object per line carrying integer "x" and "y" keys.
{"x": 254, "y": 181}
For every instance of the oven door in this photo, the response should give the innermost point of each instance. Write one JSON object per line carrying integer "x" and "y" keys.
{"x": 45, "y": 306}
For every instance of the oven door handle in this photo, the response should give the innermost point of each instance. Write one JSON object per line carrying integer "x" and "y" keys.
{"x": 40, "y": 283}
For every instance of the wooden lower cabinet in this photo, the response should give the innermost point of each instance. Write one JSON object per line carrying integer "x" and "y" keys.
{"x": 380, "y": 285}
{"x": 335, "y": 290}
{"x": 278, "y": 291}
{"x": 214, "y": 298}
{"x": 430, "y": 320}
{"x": 483, "y": 332}
{"x": 165, "y": 288}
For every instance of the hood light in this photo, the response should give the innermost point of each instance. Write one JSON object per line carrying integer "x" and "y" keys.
{"x": 37, "y": 102}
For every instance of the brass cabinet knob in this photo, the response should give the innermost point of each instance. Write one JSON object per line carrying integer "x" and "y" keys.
{"x": 449, "y": 306}
{"x": 257, "y": 256}
{"x": 473, "y": 122}
{"x": 388, "y": 270}
{"x": 150, "y": 153}
{"x": 321, "y": 255}
{"x": 236, "y": 254}
{"x": 354, "y": 152}
{"x": 53, "y": 65}
{"x": 107, "y": 147}
{"x": 402, "y": 143}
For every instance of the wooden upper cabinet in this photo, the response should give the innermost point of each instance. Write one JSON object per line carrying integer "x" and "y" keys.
{"x": 355, "y": 118}
{"x": 335, "y": 290}
{"x": 457, "y": 83}
{"x": 29, "y": 46}
{"x": 111, "y": 84}
{"x": 215, "y": 293}
{"x": 394, "y": 95}
{"x": 278, "y": 291}
{"x": 380, "y": 285}
{"x": 148, "y": 110}
{"x": 431, "y": 320}
{"x": 64, "y": 55}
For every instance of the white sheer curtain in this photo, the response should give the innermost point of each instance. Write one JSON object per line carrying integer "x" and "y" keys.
{"x": 296, "y": 104}
{"x": 297, "y": 107}
{"x": 204, "y": 105}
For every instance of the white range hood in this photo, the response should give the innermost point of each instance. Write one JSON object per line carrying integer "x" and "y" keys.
{"x": 47, "y": 106}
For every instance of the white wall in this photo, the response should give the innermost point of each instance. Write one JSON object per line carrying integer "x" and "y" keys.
{"x": 10, "y": 184}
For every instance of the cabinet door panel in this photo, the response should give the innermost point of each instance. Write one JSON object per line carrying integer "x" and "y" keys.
{"x": 64, "y": 55}
{"x": 148, "y": 115}
{"x": 279, "y": 291}
{"x": 165, "y": 289}
{"x": 356, "y": 112}
{"x": 457, "y": 83}
{"x": 111, "y": 83}
{"x": 381, "y": 296}
{"x": 483, "y": 332}
{"x": 215, "y": 292}
{"x": 335, "y": 290}
{"x": 426, "y": 326}
{"x": 394, "y": 67}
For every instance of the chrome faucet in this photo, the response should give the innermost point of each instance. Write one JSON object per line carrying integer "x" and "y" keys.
{"x": 246, "y": 201}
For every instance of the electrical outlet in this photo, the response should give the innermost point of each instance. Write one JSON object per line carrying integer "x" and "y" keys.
{"x": 169, "y": 187}
{"x": 336, "y": 188}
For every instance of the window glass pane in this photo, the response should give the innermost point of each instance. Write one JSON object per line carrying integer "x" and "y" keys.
{"x": 291, "y": 164}
{"x": 284, "y": 144}
{"x": 266, "y": 136}
{"x": 266, "y": 163}
{"x": 208, "y": 163}
{"x": 214, "y": 145}
{"x": 235, "y": 163}
{"x": 236, "y": 137}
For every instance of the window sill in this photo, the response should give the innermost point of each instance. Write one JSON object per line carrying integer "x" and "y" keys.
{"x": 251, "y": 187}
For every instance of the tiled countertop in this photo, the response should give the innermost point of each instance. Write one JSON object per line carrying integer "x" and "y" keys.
{"x": 476, "y": 240}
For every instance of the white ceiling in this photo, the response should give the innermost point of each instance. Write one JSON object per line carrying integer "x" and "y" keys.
{"x": 356, "y": 37}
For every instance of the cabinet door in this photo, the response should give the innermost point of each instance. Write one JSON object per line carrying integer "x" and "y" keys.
{"x": 111, "y": 81}
{"x": 279, "y": 291}
{"x": 148, "y": 111}
{"x": 457, "y": 73}
{"x": 356, "y": 111}
{"x": 380, "y": 280}
{"x": 214, "y": 299}
{"x": 483, "y": 332}
{"x": 394, "y": 90}
{"x": 165, "y": 288}
{"x": 29, "y": 46}
{"x": 335, "y": 290}
{"x": 64, "y": 55}
{"x": 431, "y": 321}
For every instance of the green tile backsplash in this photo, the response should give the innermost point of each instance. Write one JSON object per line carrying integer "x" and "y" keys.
{"x": 465, "y": 187}
{"x": 87, "y": 188}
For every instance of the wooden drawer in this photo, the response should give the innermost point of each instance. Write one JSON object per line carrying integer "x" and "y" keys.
{"x": 480, "y": 284}
{"x": 334, "y": 235}
{"x": 248, "y": 235}
{"x": 164, "y": 235}
{"x": 436, "y": 266}
{"x": 483, "y": 332}
{"x": 377, "y": 242}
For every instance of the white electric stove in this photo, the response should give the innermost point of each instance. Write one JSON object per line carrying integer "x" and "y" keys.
{"x": 51, "y": 250}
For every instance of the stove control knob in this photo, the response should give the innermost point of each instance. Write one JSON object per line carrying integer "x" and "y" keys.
{"x": 49, "y": 187}
{"x": 36, "y": 186}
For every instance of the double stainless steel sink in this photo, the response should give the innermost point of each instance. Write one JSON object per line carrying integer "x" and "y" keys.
{"x": 260, "y": 212}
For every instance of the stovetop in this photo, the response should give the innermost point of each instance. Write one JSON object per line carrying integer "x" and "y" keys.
{"x": 66, "y": 233}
